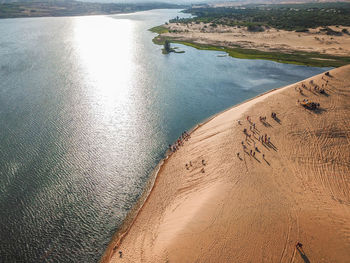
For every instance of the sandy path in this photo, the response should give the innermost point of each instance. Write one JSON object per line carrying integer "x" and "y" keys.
{"x": 257, "y": 208}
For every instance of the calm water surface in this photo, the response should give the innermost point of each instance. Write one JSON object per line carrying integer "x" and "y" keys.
{"x": 88, "y": 106}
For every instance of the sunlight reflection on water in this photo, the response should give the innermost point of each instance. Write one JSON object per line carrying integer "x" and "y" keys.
{"x": 107, "y": 57}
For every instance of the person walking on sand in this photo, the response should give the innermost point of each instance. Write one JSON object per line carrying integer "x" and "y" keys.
{"x": 120, "y": 254}
{"x": 299, "y": 247}
{"x": 238, "y": 155}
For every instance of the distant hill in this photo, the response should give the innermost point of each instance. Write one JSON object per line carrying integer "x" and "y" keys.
{"x": 245, "y": 2}
{"x": 30, "y": 8}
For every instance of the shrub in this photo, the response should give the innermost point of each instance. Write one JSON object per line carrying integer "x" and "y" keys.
{"x": 302, "y": 30}
{"x": 255, "y": 28}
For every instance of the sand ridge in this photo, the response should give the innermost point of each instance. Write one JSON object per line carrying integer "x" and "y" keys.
{"x": 255, "y": 208}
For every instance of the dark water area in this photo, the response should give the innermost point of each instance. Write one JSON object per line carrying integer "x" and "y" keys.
{"x": 88, "y": 106}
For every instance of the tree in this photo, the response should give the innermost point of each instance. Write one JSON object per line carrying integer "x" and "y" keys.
{"x": 167, "y": 47}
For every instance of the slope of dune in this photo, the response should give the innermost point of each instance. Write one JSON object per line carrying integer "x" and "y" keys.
{"x": 249, "y": 208}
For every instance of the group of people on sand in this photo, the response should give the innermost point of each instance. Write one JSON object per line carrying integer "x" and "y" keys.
{"x": 179, "y": 142}
{"x": 264, "y": 139}
{"x": 190, "y": 165}
{"x": 262, "y": 119}
{"x": 315, "y": 87}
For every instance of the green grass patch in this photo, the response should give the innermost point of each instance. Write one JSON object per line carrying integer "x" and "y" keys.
{"x": 159, "y": 29}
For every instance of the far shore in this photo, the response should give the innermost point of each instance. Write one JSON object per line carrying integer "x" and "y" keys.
{"x": 75, "y": 8}
{"x": 220, "y": 199}
{"x": 303, "y": 48}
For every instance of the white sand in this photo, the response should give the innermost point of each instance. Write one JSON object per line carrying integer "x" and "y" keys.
{"x": 269, "y": 40}
{"x": 254, "y": 209}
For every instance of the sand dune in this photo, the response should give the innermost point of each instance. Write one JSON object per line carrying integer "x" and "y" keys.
{"x": 269, "y": 40}
{"x": 255, "y": 209}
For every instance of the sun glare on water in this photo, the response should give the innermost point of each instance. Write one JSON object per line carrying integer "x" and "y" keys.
{"x": 104, "y": 47}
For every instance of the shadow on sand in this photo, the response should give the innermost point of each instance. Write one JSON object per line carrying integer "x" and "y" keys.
{"x": 319, "y": 110}
{"x": 303, "y": 255}
{"x": 277, "y": 120}
{"x": 266, "y": 161}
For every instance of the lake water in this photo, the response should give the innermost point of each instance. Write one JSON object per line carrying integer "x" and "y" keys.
{"x": 88, "y": 106}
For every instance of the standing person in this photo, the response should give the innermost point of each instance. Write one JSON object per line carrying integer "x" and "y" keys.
{"x": 299, "y": 247}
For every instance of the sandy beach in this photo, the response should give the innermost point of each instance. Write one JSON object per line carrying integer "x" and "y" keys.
{"x": 209, "y": 204}
{"x": 271, "y": 40}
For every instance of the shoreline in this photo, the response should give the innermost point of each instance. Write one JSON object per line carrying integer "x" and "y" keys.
{"x": 31, "y": 10}
{"x": 137, "y": 209}
{"x": 235, "y": 50}
{"x": 133, "y": 241}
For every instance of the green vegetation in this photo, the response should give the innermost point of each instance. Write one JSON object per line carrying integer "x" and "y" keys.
{"x": 255, "y": 28}
{"x": 288, "y": 16}
{"x": 72, "y": 8}
{"x": 299, "y": 58}
{"x": 159, "y": 29}
{"x": 168, "y": 49}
